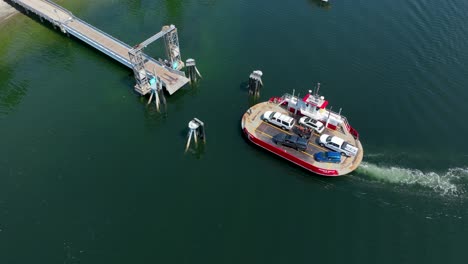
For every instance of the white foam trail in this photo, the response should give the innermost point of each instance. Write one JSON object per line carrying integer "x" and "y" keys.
{"x": 373, "y": 155}
{"x": 443, "y": 183}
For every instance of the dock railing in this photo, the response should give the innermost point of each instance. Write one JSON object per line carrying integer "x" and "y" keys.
{"x": 103, "y": 33}
{"x": 100, "y": 47}
{"x": 59, "y": 7}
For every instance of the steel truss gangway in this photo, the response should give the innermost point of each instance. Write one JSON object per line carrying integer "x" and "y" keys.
{"x": 144, "y": 66}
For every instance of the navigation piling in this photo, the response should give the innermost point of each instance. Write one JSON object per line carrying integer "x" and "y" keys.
{"x": 255, "y": 82}
{"x": 197, "y": 130}
{"x": 157, "y": 92}
{"x": 192, "y": 70}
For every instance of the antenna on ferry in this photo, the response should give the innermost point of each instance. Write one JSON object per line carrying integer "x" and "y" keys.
{"x": 293, "y": 92}
{"x": 297, "y": 102}
{"x": 328, "y": 118}
{"x": 339, "y": 112}
{"x": 318, "y": 88}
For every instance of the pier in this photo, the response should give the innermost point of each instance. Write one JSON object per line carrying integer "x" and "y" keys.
{"x": 144, "y": 66}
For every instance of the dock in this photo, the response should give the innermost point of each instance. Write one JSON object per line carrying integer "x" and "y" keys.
{"x": 144, "y": 66}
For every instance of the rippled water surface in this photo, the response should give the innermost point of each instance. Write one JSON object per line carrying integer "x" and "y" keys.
{"x": 90, "y": 174}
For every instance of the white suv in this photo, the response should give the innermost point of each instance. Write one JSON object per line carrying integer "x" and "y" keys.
{"x": 311, "y": 123}
{"x": 284, "y": 121}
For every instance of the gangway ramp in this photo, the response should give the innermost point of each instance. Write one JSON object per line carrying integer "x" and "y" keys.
{"x": 172, "y": 79}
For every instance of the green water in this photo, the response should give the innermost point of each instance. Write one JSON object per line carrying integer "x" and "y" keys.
{"x": 90, "y": 174}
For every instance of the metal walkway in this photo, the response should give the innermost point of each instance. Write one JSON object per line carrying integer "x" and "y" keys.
{"x": 116, "y": 49}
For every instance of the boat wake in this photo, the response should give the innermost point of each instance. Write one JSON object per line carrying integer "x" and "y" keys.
{"x": 449, "y": 183}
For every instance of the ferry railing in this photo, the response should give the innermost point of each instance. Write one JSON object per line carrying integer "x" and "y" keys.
{"x": 350, "y": 129}
{"x": 276, "y": 100}
{"x": 287, "y": 96}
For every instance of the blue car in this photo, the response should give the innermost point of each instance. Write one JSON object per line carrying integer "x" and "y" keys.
{"x": 328, "y": 156}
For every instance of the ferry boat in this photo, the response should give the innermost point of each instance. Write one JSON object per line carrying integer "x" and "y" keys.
{"x": 336, "y": 136}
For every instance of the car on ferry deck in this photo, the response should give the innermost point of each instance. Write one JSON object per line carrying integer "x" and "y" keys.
{"x": 328, "y": 156}
{"x": 278, "y": 119}
{"x": 292, "y": 141}
{"x": 337, "y": 144}
{"x": 312, "y": 123}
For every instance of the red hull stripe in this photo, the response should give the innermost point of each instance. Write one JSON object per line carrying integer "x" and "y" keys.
{"x": 290, "y": 157}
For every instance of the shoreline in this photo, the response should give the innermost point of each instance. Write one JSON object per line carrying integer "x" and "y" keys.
{"x": 6, "y": 11}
